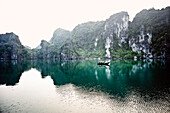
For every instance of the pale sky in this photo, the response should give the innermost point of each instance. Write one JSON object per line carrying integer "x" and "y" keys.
{"x": 34, "y": 20}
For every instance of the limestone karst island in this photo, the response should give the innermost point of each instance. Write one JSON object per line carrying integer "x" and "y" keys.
{"x": 147, "y": 36}
{"x": 118, "y": 65}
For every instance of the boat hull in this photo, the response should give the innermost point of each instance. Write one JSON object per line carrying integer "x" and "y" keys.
{"x": 103, "y": 63}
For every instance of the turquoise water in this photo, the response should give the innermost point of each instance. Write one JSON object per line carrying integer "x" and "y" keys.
{"x": 81, "y": 86}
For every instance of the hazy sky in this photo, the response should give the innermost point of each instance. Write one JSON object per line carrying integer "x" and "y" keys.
{"x": 34, "y": 20}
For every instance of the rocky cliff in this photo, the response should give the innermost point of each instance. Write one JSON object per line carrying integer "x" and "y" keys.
{"x": 147, "y": 36}
{"x": 53, "y": 48}
{"x": 11, "y": 47}
{"x": 99, "y": 39}
{"x": 59, "y": 37}
{"x": 149, "y": 33}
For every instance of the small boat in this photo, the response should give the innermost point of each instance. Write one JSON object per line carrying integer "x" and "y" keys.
{"x": 103, "y": 63}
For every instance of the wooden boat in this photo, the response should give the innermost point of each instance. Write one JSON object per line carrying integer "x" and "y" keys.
{"x": 103, "y": 63}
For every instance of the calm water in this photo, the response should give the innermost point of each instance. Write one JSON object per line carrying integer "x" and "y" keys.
{"x": 84, "y": 87}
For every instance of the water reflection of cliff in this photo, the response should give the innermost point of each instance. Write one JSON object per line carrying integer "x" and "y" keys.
{"x": 120, "y": 78}
{"x": 11, "y": 71}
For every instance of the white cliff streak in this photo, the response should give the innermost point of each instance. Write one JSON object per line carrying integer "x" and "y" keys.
{"x": 122, "y": 28}
{"x": 95, "y": 43}
{"x": 150, "y": 37}
{"x": 107, "y": 46}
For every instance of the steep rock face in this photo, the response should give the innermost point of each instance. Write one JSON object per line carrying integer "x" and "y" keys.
{"x": 149, "y": 33}
{"x": 45, "y": 51}
{"x": 115, "y": 31}
{"x": 96, "y": 39}
{"x": 147, "y": 36}
{"x": 59, "y": 37}
{"x": 87, "y": 39}
{"x": 68, "y": 51}
{"x": 51, "y": 49}
{"x": 142, "y": 42}
{"x": 11, "y": 47}
{"x": 116, "y": 26}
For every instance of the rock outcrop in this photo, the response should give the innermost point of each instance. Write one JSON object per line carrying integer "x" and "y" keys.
{"x": 149, "y": 33}
{"x": 11, "y": 47}
{"x": 147, "y": 36}
{"x": 95, "y": 39}
{"x": 60, "y": 36}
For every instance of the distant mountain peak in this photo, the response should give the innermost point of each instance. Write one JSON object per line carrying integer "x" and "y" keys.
{"x": 60, "y": 36}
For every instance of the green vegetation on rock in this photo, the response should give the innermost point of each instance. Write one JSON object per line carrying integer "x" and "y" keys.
{"x": 11, "y": 47}
{"x": 147, "y": 36}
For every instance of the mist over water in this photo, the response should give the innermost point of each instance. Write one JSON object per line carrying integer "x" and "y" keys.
{"x": 81, "y": 86}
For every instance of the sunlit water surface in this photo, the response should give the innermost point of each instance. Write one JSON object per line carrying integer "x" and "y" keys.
{"x": 84, "y": 87}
